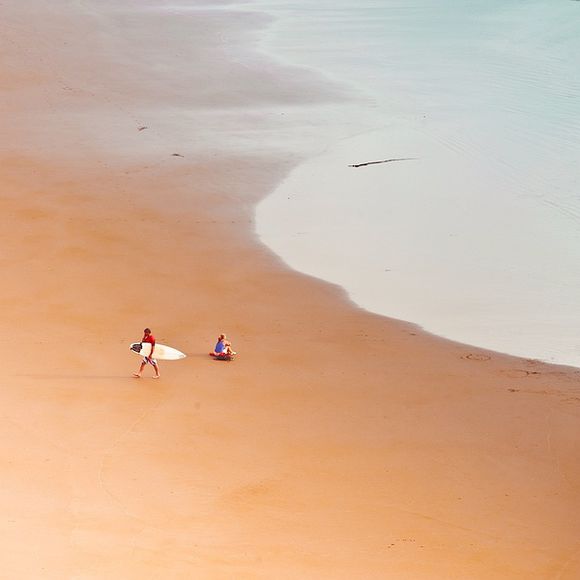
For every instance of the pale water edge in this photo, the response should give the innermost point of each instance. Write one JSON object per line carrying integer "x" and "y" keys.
{"x": 477, "y": 237}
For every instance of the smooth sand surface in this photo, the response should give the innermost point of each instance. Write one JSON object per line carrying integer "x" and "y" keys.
{"x": 338, "y": 445}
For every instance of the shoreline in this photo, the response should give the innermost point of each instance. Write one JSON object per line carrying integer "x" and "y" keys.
{"x": 339, "y": 444}
{"x": 486, "y": 211}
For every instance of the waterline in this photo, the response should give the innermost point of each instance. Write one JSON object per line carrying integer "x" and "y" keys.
{"x": 477, "y": 238}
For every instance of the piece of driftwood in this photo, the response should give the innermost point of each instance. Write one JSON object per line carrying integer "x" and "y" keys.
{"x": 383, "y": 161}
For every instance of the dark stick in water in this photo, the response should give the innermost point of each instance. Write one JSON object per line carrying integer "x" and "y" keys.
{"x": 383, "y": 161}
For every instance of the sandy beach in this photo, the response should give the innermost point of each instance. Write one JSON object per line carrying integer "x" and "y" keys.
{"x": 339, "y": 445}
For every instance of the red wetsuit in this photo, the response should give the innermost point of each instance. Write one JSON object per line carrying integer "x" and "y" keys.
{"x": 150, "y": 339}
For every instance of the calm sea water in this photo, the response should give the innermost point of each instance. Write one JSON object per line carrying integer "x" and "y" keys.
{"x": 475, "y": 234}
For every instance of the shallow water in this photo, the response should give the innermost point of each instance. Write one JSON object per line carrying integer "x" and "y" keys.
{"x": 476, "y": 234}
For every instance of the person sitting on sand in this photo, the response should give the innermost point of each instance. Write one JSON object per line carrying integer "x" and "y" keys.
{"x": 223, "y": 347}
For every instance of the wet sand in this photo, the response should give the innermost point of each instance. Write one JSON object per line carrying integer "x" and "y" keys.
{"x": 339, "y": 444}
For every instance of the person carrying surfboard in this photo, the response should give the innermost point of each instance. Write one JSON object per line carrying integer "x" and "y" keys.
{"x": 148, "y": 338}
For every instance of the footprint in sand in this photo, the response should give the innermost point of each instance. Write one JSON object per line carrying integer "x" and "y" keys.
{"x": 520, "y": 373}
{"x": 476, "y": 357}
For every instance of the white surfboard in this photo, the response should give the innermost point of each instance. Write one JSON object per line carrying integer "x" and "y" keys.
{"x": 161, "y": 351}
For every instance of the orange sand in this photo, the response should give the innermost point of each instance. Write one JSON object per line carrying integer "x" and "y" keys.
{"x": 339, "y": 445}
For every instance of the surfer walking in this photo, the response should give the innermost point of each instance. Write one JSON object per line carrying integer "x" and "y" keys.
{"x": 150, "y": 339}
